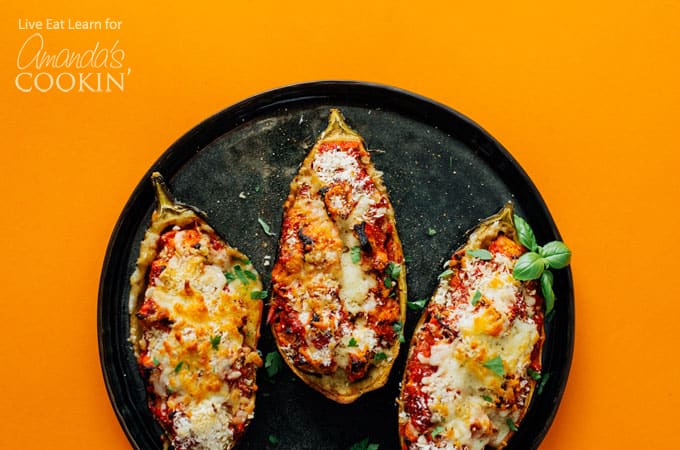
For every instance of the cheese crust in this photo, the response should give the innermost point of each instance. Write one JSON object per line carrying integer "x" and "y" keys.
{"x": 468, "y": 382}
{"x": 194, "y": 328}
{"x": 338, "y": 283}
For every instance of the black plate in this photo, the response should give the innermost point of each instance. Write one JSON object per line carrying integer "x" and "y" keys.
{"x": 442, "y": 171}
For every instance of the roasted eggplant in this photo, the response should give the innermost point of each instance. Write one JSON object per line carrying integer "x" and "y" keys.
{"x": 339, "y": 284}
{"x": 195, "y": 313}
{"x": 475, "y": 354}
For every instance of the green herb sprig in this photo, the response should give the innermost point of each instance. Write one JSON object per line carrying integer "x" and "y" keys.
{"x": 273, "y": 363}
{"x": 537, "y": 262}
{"x": 364, "y": 444}
{"x": 265, "y": 227}
{"x": 416, "y": 305}
{"x": 398, "y": 328}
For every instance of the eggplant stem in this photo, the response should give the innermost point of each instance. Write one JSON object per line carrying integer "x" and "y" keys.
{"x": 338, "y": 128}
{"x": 163, "y": 196}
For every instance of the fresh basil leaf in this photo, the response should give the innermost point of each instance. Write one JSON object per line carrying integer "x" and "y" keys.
{"x": 273, "y": 363}
{"x": 511, "y": 424}
{"x": 529, "y": 266}
{"x": 258, "y": 295}
{"x": 265, "y": 227}
{"x": 416, "y": 305}
{"x": 372, "y": 446}
{"x": 387, "y": 282}
{"x": 352, "y": 342}
{"x": 215, "y": 341}
{"x": 547, "y": 290}
{"x": 178, "y": 367}
{"x": 480, "y": 253}
{"x": 355, "y": 253}
{"x": 476, "y": 298}
{"x": 525, "y": 234}
{"x": 533, "y": 374}
{"x": 557, "y": 254}
{"x": 496, "y": 366}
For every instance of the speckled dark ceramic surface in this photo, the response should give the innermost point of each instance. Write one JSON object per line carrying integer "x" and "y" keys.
{"x": 442, "y": 171}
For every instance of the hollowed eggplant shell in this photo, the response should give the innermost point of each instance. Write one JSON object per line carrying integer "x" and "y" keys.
{"x": 338, "y": 130}
{"x": 480, "y": 237}
{"x": 168, "y": 214}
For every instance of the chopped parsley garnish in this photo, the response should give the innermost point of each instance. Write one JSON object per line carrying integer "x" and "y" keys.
{"x": 437, "y": 431}
{"x": 416, "y": 305}
{"x": 245, "y": 261}
{"x": 178, "y": 367}
{"x": 393, "y": 270}
{"x": 364, "y": 445}
{"x": 229, "y": 276}
{"x": 511, "y": 424}
{"x": 352, "y": 342}
{"x": 487, "y": 398}
{"x": 476, "y": 298}
{"x": 156, "y": 362}
{"x": 355, "y": 253}
{"x": 398, "y": 328}
{"x": 380, "y": 356}
{"x": 259, "y": 295}
{"x": 273, "y": 363}
{"x": 431, "y": 232}
{"x": 265, "y": 227}
{"x": 215, "y": 341}
{"x": 480, "y": 253}
{"x": 240, "y": 274}
{"x": 445, "y": 274}
{"x": 496, "y": 366}
{"x": 533, "y": 374}
{"x": 250, "y": 275}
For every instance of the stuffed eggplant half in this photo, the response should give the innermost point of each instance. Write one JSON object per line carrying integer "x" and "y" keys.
{"x": 339, "y": 285}
{"x": 476, "y": 352}
{"x": 195, "y": 313}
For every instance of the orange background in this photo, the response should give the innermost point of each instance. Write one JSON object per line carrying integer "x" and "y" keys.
{"x": 584, "y": 95}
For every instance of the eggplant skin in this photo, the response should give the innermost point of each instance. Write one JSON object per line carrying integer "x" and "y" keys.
{"x": 480, "y": 337}
{"x": 339, "y": 282}
{"x": 195, "y": 314}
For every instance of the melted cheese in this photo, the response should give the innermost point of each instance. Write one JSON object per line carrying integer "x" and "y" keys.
{"x": 328, "y": 289}
{"x": 200, "y": 353}
{"x": 466, "y": 372}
